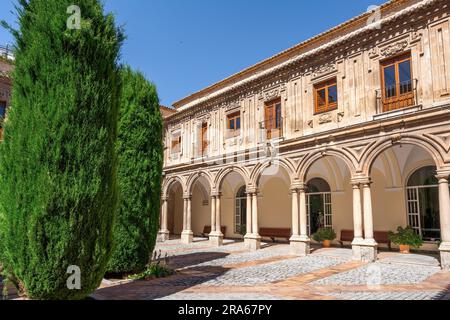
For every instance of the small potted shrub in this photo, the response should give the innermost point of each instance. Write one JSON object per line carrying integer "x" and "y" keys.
{"x": 325, "y": 235}
{"x": 406, "y": 238}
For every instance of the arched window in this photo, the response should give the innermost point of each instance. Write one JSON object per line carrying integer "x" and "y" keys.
{"x": 240, "y": 220}
{"x": 423, "y": 203}
{"x": 318, "y": 204}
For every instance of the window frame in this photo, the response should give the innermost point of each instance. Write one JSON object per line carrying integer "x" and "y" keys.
{"x": 392, "y": 100}
{"x": 327, "y": 107}
{"x": 232, "y": 117}
{"x": 5, "y": 104}
{"x": 276, "y": 130}
{"x": 175, "y": 144}
{"x": 204, "y": 143}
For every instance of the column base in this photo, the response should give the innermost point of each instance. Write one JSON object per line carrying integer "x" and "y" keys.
{"x": 163, "y": 236}
{"x": 365, "y": 250}
{"x": 445, "y": 255}
{"x": 216, "y": 239}
{"x": 300, "y": 246}
{"x": 252, "y": 242}
{"x": 187, "y": 237}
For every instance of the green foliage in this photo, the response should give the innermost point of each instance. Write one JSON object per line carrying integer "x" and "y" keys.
{"x": 58, "y": 163}
{"x": 157, "y": 268}
{"x": 324, "y": 234}
{"x": 406, "y": 236}
{"x": 140, "y": 152}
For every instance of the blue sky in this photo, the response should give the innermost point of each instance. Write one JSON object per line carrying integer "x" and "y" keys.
{"x": 186, "y": 45}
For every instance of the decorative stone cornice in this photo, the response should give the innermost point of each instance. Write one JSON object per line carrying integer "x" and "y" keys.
{"x": 308, "y": 54}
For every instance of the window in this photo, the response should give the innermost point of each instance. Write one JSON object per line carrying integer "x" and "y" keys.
{"x": 272, "y": 119}
{"x": 326, "y": 96}
{"x": 397, "y": 82}
{"x": 2, "y": 109}
{"x": 423, "y": 203}
{"x": 204, "y": 139}
{"x": 241, "y": 212}
{"x": 318, "y": 205}
{"x": 176, "y": 144}
{"x": 234, "y": 124}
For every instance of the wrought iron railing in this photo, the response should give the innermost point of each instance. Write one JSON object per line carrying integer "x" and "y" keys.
{"x": 399, "y": 96}
{"x": 272, "y": 127}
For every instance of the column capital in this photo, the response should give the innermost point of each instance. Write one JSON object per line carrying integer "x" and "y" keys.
{"x": 442, "y": 175}
{"x": 298, "y": 186}
{"x": 165, "y": 198}
{"x": 357, "y": 181}
{"x": 216, "y": 194}
{"x": 187, "y": 196}
{"x": 252, "y": 190}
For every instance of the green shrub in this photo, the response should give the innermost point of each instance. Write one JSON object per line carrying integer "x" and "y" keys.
{"x": 406, "y": 236}
{"x": 140, "y": 153}
{"x": 58, "y": 190}
{"x": 324, "y": 234}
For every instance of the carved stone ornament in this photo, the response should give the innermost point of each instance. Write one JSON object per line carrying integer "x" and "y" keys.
{"x": 270, "y": 95}
{"x": 394, "y": 48}
{"x": 340, "y": 116}
{"x": 310, "y": 124}
{"x": 325, "y": 69}
{"x": 325, "y": 118}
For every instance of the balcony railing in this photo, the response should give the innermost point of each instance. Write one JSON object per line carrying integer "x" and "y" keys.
{"x": 399, "y": 96}
{"x": 272, "y": 127}
{"x": 7, "y": 52}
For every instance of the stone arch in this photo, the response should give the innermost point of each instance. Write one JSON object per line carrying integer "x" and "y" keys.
{"x": 374, "y": 150}
{"x": 309, "y": 160}
{"x": 197, "y": 175}
{"x": 221, "y": 175}
{"x": 168, "y": 182}
{"x": 260, "y": 167}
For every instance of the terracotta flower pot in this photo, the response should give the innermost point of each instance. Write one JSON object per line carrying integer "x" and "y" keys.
{"x": 405, "y": 249}
{"x": 326, "y": 243}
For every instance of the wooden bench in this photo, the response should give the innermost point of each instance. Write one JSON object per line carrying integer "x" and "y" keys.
{"x": 346, "y": 236}
{"x": 207, "y": 231}
{"x": 381, "y": 237}
{"x": 273, "y": 233}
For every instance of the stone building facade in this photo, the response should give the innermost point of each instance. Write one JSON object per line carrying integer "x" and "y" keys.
{"x": 349, "y": 130}
{"x": 6, "y": 67}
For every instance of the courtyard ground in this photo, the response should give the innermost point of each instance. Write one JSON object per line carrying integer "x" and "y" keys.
{"x": 232, "y": 273}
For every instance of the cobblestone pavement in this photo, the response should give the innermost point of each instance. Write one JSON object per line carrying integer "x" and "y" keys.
{"x": 382, "y": 273}
{"x": 232, "y": 273}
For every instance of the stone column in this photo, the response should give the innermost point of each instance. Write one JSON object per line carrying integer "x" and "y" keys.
{"x": 187, "y": 236}
{"x": 213, "y": 214}
{"x": 248, "y": 226}
{"x": 254, "y": 240}
{"x": 295, "y": 240}
{"x": 444, "y": 211}
{"x": 303, "y": 247}
{"x": 164, "y": 233}
{"x": 216, "y": 236}
{"x": 369, "y": 248}
{"x": 358, "y": 241}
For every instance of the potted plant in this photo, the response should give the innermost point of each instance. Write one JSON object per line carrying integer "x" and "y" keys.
{"x": 406, "y": 238}
{"x": 325, "y": 235}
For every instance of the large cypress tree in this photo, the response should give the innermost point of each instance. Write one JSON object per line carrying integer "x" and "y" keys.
{"x": 140, "y": 152}
{"x": 58, "y": 163}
